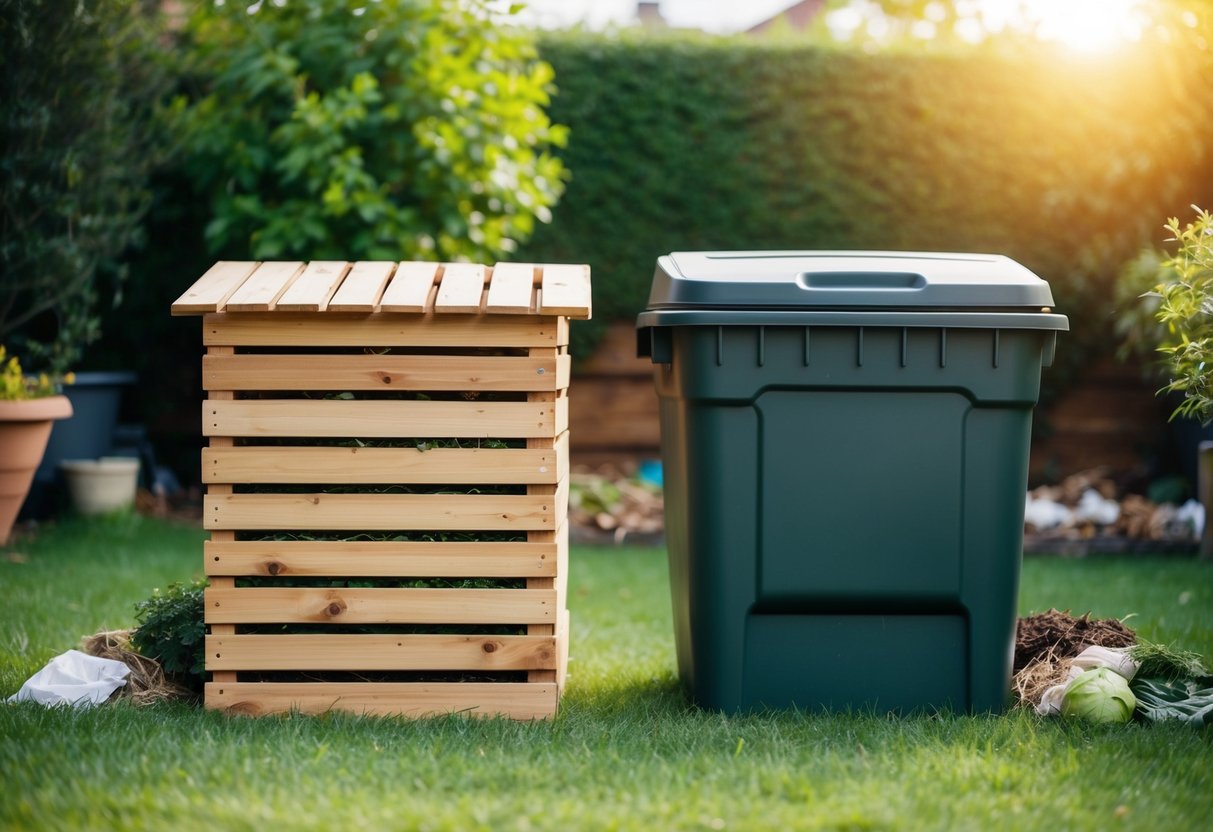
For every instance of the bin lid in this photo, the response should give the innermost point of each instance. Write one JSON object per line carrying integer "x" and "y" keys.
{"x": 835, "y": 280}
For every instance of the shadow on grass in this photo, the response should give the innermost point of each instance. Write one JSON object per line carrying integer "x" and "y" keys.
{"x": 655, "y": 697}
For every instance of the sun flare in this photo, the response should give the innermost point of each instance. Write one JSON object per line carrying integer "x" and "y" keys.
{"x": 1087, "y": 26}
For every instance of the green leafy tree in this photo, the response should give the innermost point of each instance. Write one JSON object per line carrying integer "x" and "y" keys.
{"x": 1186, "y": 309}
{"x": 377, "y": 129}
{"x": 79, "y": 85}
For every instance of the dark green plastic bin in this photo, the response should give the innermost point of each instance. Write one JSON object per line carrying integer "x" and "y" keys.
{"x": 845, "y": 442}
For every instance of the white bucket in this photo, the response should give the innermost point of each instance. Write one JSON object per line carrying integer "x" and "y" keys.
{"x": 99, "y": 486}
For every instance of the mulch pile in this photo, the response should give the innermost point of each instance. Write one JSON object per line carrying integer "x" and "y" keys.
{"x": 1047, "y": 642}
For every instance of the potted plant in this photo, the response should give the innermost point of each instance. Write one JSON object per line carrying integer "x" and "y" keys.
{"x": 28, "y": 407}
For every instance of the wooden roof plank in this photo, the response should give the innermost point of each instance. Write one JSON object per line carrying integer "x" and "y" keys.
{"x": 264, "y": 286}
{"x": 211, "y": 291}
{"x": 461, "y": 287}
{"x": 313, "y": 289}
{"x": 565, "y": 291}
{"x": 511, "y": 288}
{"x": 410, "y": 288}
{"x": 362, "y": 287}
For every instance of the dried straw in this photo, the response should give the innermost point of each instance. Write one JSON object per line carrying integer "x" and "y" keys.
{"x": 1040, "y": 674}
{"x": 147, "y": 683}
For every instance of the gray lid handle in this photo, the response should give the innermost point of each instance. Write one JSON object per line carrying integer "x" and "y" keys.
{"x": 855, "y": 281}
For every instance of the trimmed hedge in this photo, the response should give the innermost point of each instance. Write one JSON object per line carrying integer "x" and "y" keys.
{"x": 684, "y": 142}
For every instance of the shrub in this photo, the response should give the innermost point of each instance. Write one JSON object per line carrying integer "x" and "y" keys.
{"x": 1186, "y": 309}
{"x": 172, "y": 631}
{"x": 398, "y": 129}
{"x": 79, "y": 86}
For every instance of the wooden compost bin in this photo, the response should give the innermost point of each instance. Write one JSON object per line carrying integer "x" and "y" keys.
{"x": 387, "y": 485}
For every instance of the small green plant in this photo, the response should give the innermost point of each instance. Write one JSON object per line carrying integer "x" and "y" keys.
{"x": 15, "y": 385}
{"x": 1186, "y": 309}
{"x": 172, "y": 631}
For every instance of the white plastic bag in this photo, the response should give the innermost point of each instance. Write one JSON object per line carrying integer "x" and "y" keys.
{"x": 74, "y": 678}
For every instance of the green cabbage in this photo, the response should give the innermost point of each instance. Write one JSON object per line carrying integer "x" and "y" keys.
{"x": 1099, "y": 695}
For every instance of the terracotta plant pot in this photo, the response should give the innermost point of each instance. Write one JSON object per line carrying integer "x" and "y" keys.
{"x": 25, "y": 427}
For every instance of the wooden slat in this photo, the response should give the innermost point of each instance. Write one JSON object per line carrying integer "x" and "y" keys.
{"x": 455, "y": 512}
{"x": 511, "y": 289}
{"x": 514, "y": 700}
{"x": 385, "y": 372}
{"x": 410, "y": 288}
{"x": 384, "y": 419}
{"x": 312, "y": 290}
{"x": 565, "y": 291}
{"x": 211, "y": 291}
{"x": 562, "y": 501}
{"x": 311, "y": 558}
{"x": 379, "y": 652}
{"x": 354, "y": 466}
{"x": 562, "y": 560}
{"x": 264, "y": 605}
{"x": 362, "y": 287}
{"x": 562, "y": 415}
{"x": 332, "y": 329}
{"x": 562, "y": 649}
{"x": 222, "y": 537}
{"x": 260, "y": 291}
{"x": 460, "y": 288}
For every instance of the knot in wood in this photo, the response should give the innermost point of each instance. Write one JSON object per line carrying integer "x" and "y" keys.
{"x": 273, "y": 567}
{"x": 335, "y": 608}
{"x": 489, "y": 647}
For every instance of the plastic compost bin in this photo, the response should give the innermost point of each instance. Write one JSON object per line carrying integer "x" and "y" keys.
{"x": 845, "y": 446}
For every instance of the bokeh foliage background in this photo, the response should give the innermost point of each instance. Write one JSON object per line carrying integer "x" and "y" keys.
{"x": 1069, "y": 165}
{"x": 419, "y": 129}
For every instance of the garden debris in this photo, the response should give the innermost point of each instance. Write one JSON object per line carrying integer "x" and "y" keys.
{"x": 147, "y": 683}
{"x": 1115, "y": 659}
{"x": 1085, "y": 512}
{"x": 1162, "y": 661}
{"x": 1089, "y": 508}
{"x": 1188, "y": 700}
{"x": 74, "y": 678}
{"x": 614, "y": 502}
{"x": 1047, "y": 643}
{"x": 1061, "y": 632}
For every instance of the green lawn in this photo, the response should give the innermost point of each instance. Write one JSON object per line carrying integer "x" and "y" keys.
{"x": 626, "y": 752}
